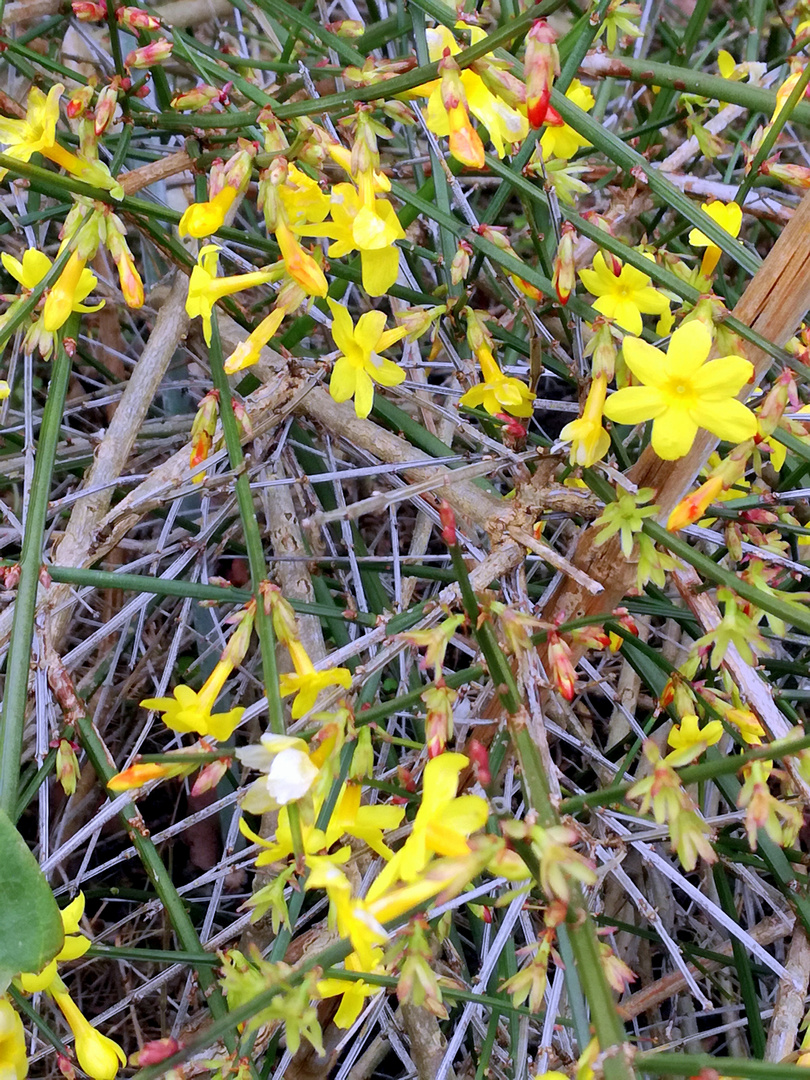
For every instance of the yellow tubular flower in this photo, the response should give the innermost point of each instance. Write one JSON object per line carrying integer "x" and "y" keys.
{"x": 441, "y": 826}
{"x": 62, "y": 297}
{"x": 359, "y": 366}
{"x": 681, "y": 393}
{"x": 75, "y": 945}
{"x": 560, "y": 140}
{"x": 99, "y": 1056}
{"x": 307, "y": 683}
{"x": 373, "y": 231}
{"x": 204, "y": 218}
{"x": 498, "y": 392}
{"x": 247, "y": 352}
{"x": 191, "y": 711}
{"x": 589, "y": 440}
{"x": 624, "y": 298}
{"x": 353, "y": 994}
{"x": 729, "y": 217}
{"x": 301, "y": 267}
{"x": 13, "y": 1059}
{"x": 205, "y": 288}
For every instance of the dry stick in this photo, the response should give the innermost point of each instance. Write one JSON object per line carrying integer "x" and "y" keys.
{"x": 774, "y": 304}
{"x": 766, "y": 932}
{"x": 789, "y": 1009}
{"x": 752, "y": 686}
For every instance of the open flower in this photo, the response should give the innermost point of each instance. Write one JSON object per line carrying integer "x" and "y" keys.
{"x": 190, "y": 710}
{"x": 13, "y": 1060}
{"x": 559, "y": 139}
{"x": 75, "y": 283}
{"x": 307, "y": 683}
{"x": 289, "y": 772}
{"x": 589, "y": 440}
{"x": 205, "y": 288}
{"x": 689, "y": 734}
{"x": 360, "y": 366}
{"x": 681, "y": 393}
{"x": 372, "y": 229}
{"x": 498, "y": 392}
{"x": 625, "y": 297}
{"x": 729, "y": 217}
{"x": 74, "y": 946}
{"x": 204, "y": 218}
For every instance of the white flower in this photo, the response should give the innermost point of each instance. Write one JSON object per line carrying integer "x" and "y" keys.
{"x": 290, "y": 773}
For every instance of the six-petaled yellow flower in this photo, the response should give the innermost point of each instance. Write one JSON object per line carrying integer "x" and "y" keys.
{"x": 205, "y": 288}
{"x": 625, "y": 297}
{"x": 190, "y": 710}
{"x": 307, "y": 683}
{"x": 498, "y": 392}
{"x": 680, "y": 392}
{"x": 360, "y": 366}
{"x": 729, "y": 217}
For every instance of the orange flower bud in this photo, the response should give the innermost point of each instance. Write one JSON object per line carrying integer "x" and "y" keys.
{"x": 105, "y": 108}
{"x": 541, "y": 64}
{"x": 79, "y": 101}
{"x": 465, "y": 143}
{"x": 129, "y": 279}
{"x": 137, "y": 775}
{"x": 156, "y": 52}
{"x": 448, "y": 521}
{"x": 563, "y": 675}
{"x": 86, "y": 11}
{"x": 460, "y": 266}
{"x": 134, "y": 19}
{"x": 695, "y": 505}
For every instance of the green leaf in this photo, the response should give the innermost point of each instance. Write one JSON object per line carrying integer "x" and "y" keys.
{"x": 32, "y": 927}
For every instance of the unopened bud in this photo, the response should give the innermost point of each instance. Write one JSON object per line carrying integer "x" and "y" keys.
{"x": 418, "y": 320}
{"x": 86, "y": 11}
{"x": 105, "y": 109}
{"x": 65, "y": 1067}
{"x": 80, "y": 99}
{"x": 502, "y": 83}
{"x": 541, "y": 64}
{"x": 565, "y": 274}
{"x": 794, "y": 175}
{"x": 776, "y": 401}
{"x": 346, "y": 28}
{"x": 133, "y": 18}
{"x": 479, "y": 756}
{"x": 460, "y": 266}
{"x": 67, "y": 766}
{"x": 197, "y": 98}
{"x": 152, "y": 1053}
{"x": 284, "y": 625}
{"x": 156, "y": 52}
{"x": 208, "y": 777}
{"x": 603, "y": 350}
{"x": 695, "y": 505}
{"x": 448, "y": 523}
{"x": 563, "y": 675}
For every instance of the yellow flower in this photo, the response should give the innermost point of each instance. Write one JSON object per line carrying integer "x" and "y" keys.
{"x": 371, "y": 230}
{"x": 191, "y": 711}
{"x": 360, "y": 366}
{"x": 302, "y": 197}
{"x": 36, "y": 134}
{"x": 13, "y": 1060}
{"x": 729, "y": 217}
{"x": 624, "y": 298}
{"x": 99, "y": 1056}
{"x": 307, "y": 683}
{"x": 689, "y": 734}
{"x": 74, "y": 285}
{"x": 506, "y": 125}
{"x": 247, "y": 352}
{"x": 560, "y": 140}
{"x": 498, "y": 392}
{"x": 300, "y": 265}
{"x": 353, "y": 994}
{"x": 203, "y": 218}
{"x": 441, "y": 826}
{"x": 5, "y": 389}
{"x": 205, "y": 288}
{"x": 589, "y": 440}
{"x": 681, "y": 393}
{"x": 75, "y": 945}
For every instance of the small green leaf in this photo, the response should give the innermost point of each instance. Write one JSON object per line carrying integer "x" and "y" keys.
{"x": 32, "y": 927}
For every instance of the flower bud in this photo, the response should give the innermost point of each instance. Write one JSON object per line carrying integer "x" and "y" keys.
{"x": 204, "y": 427}
{"x": 479, "y": 756}
{"x": 465, "y": 142}
{"x": 156, "y": 52}
{"x": 695, "y": 505}
{"x": 67, "y": 765}
{"x": 418, "y": 320}
{"x": 105, "y": 109}
{"x": 500, "y": 82}
{"x": 794, "y": 175}
{"x": 65, "y": 1067}
{"x": 346, "y": 28}
{"x": 152, "y": 1053}
{"x": 208, "y": 777}
{"x": 239, "y": 641}
{"x": 362, "y": 764}
{"x": 197, "y": 98}
{"x": 284, "y": 625}
{"x": 86, "y": 11}
{"x": 132, "y": 18}
{"x": 460, "y": 266}
{"x": 439, "y": 700}
{"x": 79, "y": 101}
{"x": 129, "y": 279}
{"x": 563, "y": 675}
{"x": 541, "y": 64}
{"x": 565, "y": 273}
{"x": 591, "y": 637}
{"x": 603, "y": 349}
{"x": 448, "y": 523}
{"x": 776, "y": 401}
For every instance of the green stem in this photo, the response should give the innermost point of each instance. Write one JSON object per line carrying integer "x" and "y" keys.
{"x": 12, "y": 720}
{"x": 772, "y": 134}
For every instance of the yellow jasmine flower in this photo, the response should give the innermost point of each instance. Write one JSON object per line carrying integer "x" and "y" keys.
{"x": 75, "y": 283}
{"x": 506, "y": 125}
{"x": 360, "y": 366}
{"x": 441, "y": 826}
{"x": 99, "y": 1056}
{"x": 5, "y": 389}
{"x": 205, "y": 288}
{"x": 300, "y": 265}
{"x": 353, "y": 994}
{"x": 624, "y": 297}
{"x": 75, "y": 945}
{"x": 36, "y": 134}
{"x": 307, "y": 683}
{"x": 302, "y": 197}
{"x": 559, "y": 139}
{"x": 247, "y": 352}
{"x": 681, "y": 393}
{"x": 690, "y": 735}
{"x": 589, "y": 440}
{"x": 189, "y": 710}
{"x": 498, "y": 392}
{"x": 290, "y": 772}
{"x": 729, "y": 217}
{"x": 13, "y": 1059}
{"x": 371, "y": 230}
{"x": 204, "y": 218}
